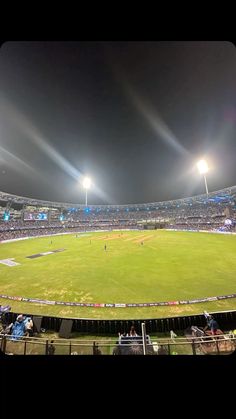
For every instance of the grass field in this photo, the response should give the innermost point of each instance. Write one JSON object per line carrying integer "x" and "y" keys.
{"x": 168, "y": 266}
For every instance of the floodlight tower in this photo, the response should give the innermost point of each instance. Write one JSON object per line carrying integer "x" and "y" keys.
{"x": 203, "y": 169}
{"x": 86, "y": 185}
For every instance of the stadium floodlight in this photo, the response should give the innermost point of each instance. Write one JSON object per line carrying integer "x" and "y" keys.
{"x": 86, "y": 185}
{"x": 203, "y": 169}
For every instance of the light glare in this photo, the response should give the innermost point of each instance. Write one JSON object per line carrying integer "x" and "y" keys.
{"x": 202, "y": 166}
{"x": 86, "y": 182}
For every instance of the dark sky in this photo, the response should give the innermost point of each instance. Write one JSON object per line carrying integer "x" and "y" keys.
{"x": 135, "y": 116}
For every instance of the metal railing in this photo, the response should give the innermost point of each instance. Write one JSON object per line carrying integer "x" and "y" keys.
{"x": 207, "y": 345}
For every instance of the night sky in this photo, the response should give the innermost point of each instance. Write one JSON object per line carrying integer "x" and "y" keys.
{"x": 134, "y": 116}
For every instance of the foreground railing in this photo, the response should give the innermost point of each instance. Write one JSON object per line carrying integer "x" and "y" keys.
{"x": 222, "y": 344}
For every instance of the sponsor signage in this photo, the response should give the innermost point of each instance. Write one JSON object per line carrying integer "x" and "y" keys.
{"x": 117, "y": 305}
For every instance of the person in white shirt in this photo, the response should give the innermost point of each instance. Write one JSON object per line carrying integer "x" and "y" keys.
{"x": 29, "y": 327}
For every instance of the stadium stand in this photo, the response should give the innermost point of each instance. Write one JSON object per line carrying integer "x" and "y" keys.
{"x": 23, "y": 217}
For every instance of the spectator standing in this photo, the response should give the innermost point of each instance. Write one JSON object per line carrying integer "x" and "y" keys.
{"x": 213, "y": 326}
{"x": 132, "y": 332}
{"x": 29, "y": 327}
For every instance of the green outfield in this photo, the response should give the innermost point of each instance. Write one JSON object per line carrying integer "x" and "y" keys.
{"x": 136, "y": 267}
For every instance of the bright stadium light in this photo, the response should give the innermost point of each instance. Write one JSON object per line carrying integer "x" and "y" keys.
{"x": 203, "y": 169}
{"x": 86, "y": 185}
{"x": 202, "y": 166}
